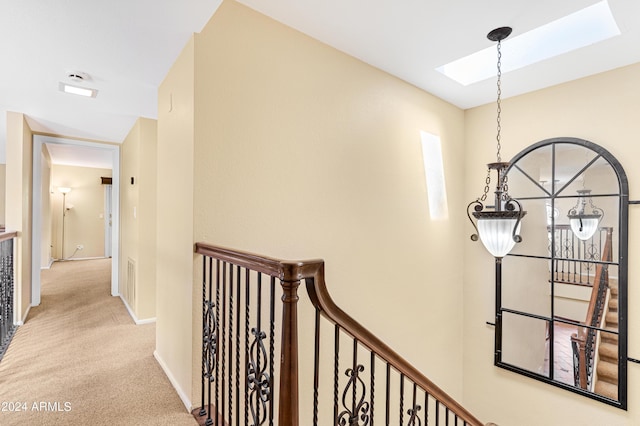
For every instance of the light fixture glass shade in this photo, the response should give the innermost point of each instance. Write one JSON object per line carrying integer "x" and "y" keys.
{"x": 497, "y": 234}
{"x": 64, "y": 189}
{"x": 584, "y": 226}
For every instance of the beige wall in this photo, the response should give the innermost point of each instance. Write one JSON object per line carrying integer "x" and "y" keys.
{"x": 603, "y": 109}
{"x": 18, "y": 203}
{"x": 174, "y": 264}
{"x": 84, "y": 221}
{"x": 3, "y": 168}
{"x": 138, "y": 220}
{"x": 303, "y": 152}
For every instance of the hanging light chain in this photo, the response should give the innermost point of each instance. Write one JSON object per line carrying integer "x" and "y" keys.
{"x": 487, "y": 182}
{"x": 499, "y": 108}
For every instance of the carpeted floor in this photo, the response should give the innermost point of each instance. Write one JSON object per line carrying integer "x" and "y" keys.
{"x": 80, "y": 359}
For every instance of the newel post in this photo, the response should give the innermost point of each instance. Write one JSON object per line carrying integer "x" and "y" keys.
{"x": 288, "y": 409}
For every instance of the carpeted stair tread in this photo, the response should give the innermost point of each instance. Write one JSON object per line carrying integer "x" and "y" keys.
{"x": 608, "y": 371}
{"x": 606, "y": 389}
{"x": 610, "y": 337}
{"x": 613, "y": 304}
{"x": 608, "y": 351}
{"x": 612, "y": 318}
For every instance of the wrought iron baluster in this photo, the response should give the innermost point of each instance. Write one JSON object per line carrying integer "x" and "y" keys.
{"x": 316, "y": 368}
{"x": 414, "y": 419}
{"x": 426, "y": 408}
{"x": 230, "y": 369}
{"x": 209, "y": 339}
{"x": 7, "y": 328}
{"x": 336, "y": 362}
{"x": 217, "y": 379}
{"x": 246, "y": 342}
{"x": 238, "y": 321}
{"x": 223, "y": 339}
{"x": 258, "y": 380}
{"x": 359, "y": 408}
{"x": 388, "y": 395}
{"x": 372, "y": 368}
{"x": 401, "y": 399}
{"x": 272, "y": 332}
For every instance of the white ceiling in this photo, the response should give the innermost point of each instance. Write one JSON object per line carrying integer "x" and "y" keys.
{"x": 127, "y": 47}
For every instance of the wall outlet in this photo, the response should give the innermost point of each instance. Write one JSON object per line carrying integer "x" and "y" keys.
{"x": 79, "y": 247}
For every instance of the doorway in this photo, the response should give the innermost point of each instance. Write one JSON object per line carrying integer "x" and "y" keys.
{"x": 113, "y": 151}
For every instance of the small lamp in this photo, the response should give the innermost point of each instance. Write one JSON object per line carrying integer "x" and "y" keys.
{"x": 64, "y": 190}
{"x": 584, "y": 224}
{"x": 499, "y": 228}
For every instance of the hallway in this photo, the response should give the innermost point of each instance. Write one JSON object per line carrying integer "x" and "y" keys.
{"x": 80, "y": 359}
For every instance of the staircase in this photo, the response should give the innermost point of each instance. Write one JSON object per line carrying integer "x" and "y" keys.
{"x": 606, "y": 383}
{"x": 250, "y": 352}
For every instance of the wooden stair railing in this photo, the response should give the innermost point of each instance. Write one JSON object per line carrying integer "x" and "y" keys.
{"x": 584, "y": 341}
{"x": 239, "y": 368}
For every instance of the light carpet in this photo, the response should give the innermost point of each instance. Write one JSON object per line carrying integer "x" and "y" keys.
{"x": 81, "y": 360}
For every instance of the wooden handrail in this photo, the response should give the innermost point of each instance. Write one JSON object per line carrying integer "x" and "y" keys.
{"x": 317, "y": 290}
{"x": 7, "y": 235}
{"x": 312, "y": 272}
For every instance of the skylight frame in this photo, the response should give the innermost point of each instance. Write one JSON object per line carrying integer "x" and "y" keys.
{"x": 585, "y": 27}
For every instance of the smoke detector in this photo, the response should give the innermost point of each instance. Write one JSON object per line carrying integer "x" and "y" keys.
{"x": 78, "y": 76}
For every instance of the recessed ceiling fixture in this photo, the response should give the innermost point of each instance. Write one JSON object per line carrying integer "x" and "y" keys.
{"x": 579, "y": 29}
{"x": 77, "y": 77}
{"x": 498, "y": 225}
{"x": 77, "y": 90}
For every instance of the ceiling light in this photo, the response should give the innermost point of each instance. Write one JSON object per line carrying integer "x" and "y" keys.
{"x": 584, "y": 223}
{"x": 498, "y": 228}
{"x": 582, "y": 28}
{"x": 77, "y": 90}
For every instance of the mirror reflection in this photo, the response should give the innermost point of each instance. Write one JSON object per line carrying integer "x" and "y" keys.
{"x": 562, "y": 290}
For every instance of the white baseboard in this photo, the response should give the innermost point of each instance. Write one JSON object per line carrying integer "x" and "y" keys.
{"x": 51, "y": 260}
{"x": 24, "y": 317}
{"x": 182, "y": 394}
{"x": 134, "y": 317}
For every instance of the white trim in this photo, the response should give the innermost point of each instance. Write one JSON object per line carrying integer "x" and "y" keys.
{"x": 51, "y": 260}
{"x": 134, "y": 317}
{"x": 36, "y": 234}
{"x": 182, "y": 394}
{"x": 24, "y": 318}
{"x": 73, "y": 259}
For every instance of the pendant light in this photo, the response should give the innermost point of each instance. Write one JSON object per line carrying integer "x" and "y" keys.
{"x": 584, "y": 224}
{"x": 498, "y": 228}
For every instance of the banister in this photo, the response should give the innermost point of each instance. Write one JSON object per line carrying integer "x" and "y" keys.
{"x": 7, "y": 235}
{"x": 284, "y": 270}
{"x": 319, "y": 295}
{"x": 312, "y": 272}
{"x": 584, "y": 338}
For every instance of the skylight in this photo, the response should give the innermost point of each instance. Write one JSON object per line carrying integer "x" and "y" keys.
{"x": 582, "y": 28}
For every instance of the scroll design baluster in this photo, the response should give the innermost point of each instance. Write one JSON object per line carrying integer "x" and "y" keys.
{"x": 414, "y": 420}
{"x": 209, "y": 340}
{"x": 260, "y": 370}
{"x": 258, "y": 381}
{"x": 359, "y": 409}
